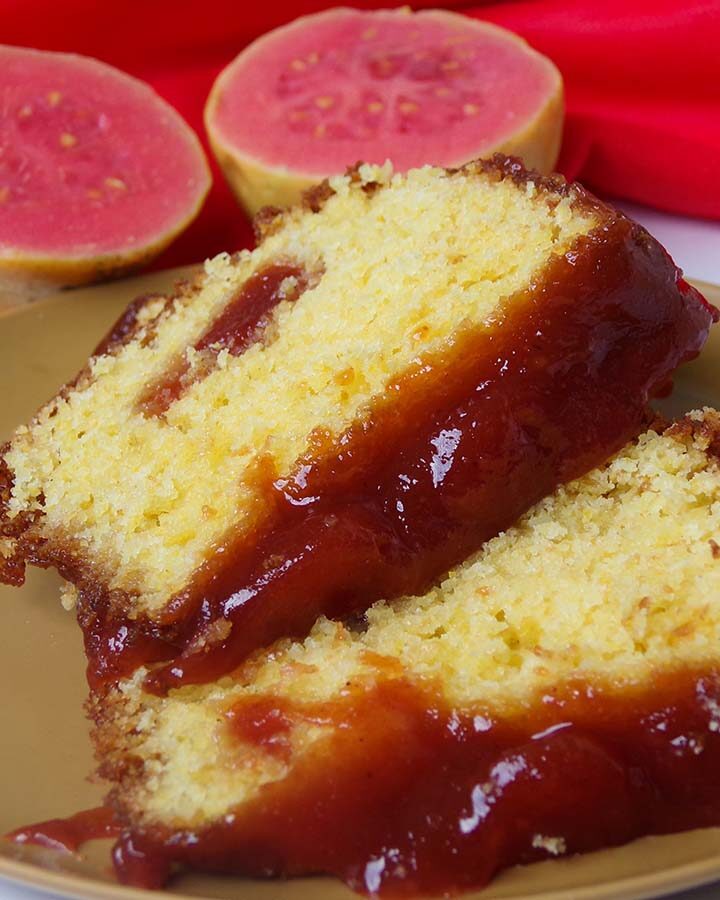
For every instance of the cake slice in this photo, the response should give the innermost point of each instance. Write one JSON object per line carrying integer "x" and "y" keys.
{"x": 558, "y": 692}
{"x": 402, "y": 367}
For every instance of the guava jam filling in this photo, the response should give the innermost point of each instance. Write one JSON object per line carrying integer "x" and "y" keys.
{"x": 415, "y": 88}
{"x": 408, "y": 795}
{"x": 244, "y": 321}
{"x": 455, "y": 451}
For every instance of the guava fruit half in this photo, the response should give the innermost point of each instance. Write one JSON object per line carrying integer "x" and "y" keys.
{"x": 331, "y": 89}
{"x": 98, "y": 174}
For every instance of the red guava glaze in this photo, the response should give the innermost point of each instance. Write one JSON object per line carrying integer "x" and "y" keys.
{"x": 453, "y": 453}
{"x": 266, "y": 723}
{"x": 346, "y": 85}
{"x": 92, "y": 161}
{"x": 69, "y": 834}
{"x": 409, "y": 796}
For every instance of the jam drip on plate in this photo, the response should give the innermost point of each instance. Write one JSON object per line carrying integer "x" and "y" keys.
{"x": 409, "y": 796}
{"x": 69, "y": 834}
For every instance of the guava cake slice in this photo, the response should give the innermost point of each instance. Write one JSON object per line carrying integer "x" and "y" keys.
{"x": 98, "y": 174}
{"x": 399, "y": 370}
{"x": 557, "y": 693}
{"x": 311, "y": 98}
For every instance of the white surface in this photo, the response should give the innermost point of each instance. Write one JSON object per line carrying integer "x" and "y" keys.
{"x": 695, "y": 247}
{"x": 9, "y": 891}
{"x": 694, "y": 244}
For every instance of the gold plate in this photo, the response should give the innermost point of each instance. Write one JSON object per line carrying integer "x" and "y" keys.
{"x": 45, "y": 754}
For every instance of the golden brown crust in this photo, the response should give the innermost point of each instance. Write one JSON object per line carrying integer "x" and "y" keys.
{"x": 127, "y": 326}
{"x": 704, "y": 429}
{"x": 316, "y": 197}
{"x": 266, "y": 222}
{"x": 498, "y": 167}
{"x": 15, "y": 532}
{"x": 501, "y": 167}
{"x": 112, "y": 738}
{"x": 6, "y": 485}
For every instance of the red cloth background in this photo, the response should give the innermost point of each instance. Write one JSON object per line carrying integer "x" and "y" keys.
{"x": 642, "y": 81}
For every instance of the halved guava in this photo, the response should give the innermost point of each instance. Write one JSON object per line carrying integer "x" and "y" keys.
{"x": 310, "y": 98}
{"x": 97, "y": 173}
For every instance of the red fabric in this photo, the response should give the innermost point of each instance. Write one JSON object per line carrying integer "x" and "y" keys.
{"x": 642, "y": 79}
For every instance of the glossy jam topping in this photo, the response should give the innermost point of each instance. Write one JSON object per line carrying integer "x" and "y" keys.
{"x": 244, "y": 321}
{"x": 457, "y": 448}
{"x": 408, "y": 796}
{"x": 69, "y": 834}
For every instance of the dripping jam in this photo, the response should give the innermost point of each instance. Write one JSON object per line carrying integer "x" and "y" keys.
{"x": 408, "y": 796}
{"x": 455, "y": 451}
{"x": 69, "y": 834}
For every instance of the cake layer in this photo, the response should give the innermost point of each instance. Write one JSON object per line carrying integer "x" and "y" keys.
{"x": 398, "y": 371}
{"x": 556, "y": 693}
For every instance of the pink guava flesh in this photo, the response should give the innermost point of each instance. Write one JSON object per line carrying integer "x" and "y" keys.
{"x": 338, "y": 87}
{"x": 92, "y": 161}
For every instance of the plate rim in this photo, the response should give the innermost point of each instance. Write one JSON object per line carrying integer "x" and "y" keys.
{"x": 661, "y": 883}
